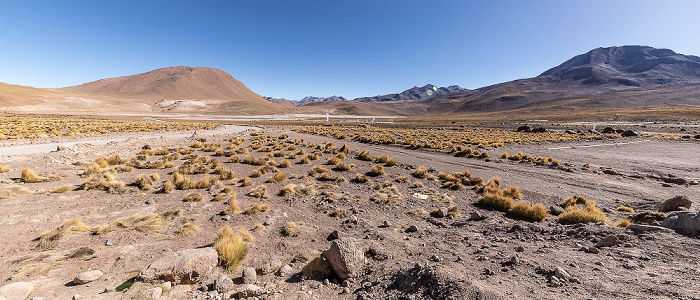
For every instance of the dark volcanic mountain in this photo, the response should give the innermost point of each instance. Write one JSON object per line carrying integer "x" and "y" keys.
{"x": 599, "y": 71}
{"x": 428, "y": 91}
{"x": 310, "y": 99}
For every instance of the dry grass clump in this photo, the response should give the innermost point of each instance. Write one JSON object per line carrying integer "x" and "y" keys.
{"x": 329, "y": 177}
{"x": 187, "y": 229}
{"x": 573, "y": 215}
{"x": 534, "y": 213}
{"x": 224, "y": 173}
{"x": 382, "y": 159}
{"x": 259, "y": 192}
{"x": 454, "y": 211}
{"x": 246, "y": 234}
{"x": 390, "y": 162}
{"x": 105, "y": 181}
{"x": 343, "y": 167}
{"x": 377, "y": 170}
{"x": 137, "y": 222}
{"x": 364, "y": 155}
{"x": 624, "y": 223}
{"x": 361, "y": 178}
{"x": 257, "y": 208}
{"x": 386, "y": 193}
{"x": 317, "y": 170}
{"x": 284, "y": 164}
{"x": 246, "y": 181}
{"x": 144, "y": 181}
{"x": 232, "y": 248}
{"x": 29, "y": 176}
{"x": 458, "y": 180}
{"x": 290, "y": 229}
{"x": 420, "y": 172}
{"x": 49, "y": 239}
{"x": 402, "y": 179}
{"x": 317, "y": 268}
{"x": 625, "y": 208}
{"x": 298, "y": 189}
{"x": 278, "y": 177}
{"x": 333, "y": 161}
{"x": 14, "y": 191}
{"x": 494, "y": 197}
{"x": 61, "y": 190}
{"x": 4, "y": 169}
{"x": 193, "y": 197}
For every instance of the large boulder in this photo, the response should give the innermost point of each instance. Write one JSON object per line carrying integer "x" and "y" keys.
{"x": 346, "y": 257}
{"x": 686, "y": 222}
{"x": 16, "y": 290}
{"x": 181, "y": 267}
{"x": 676, "y": 203}
{"x": 88, "y": 276}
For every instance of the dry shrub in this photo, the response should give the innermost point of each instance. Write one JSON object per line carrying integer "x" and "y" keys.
{"x": 454, "y": 211}
{"x": 402, "y": 179}
{"x": 49, "y": 239}
{"x": 416, "y": 184}
{"x": 258, "y": 192}
{"x": 224, "y": 173}
{"x": 317, "y": 170}
{"x": 534, "y": 213}
{"x": 232, "y": 249}
{"x": 246, "y": 181}
{"x": 4, "y": 169}
{"x": 14, "y": 191}
{"x": 144, "y": 181}
{"x": 290, "y": 229}
{"x": 257, "y": 208}
{"x": 390, "y": 162}
{"x": 329, "y": 177}
{"x": 29, "y": 176}
{"x": 278, "y": 177}
{"x": 104, "y": 181}
{"x": 420, "y": 172}
{"x": 168, "y": 187}
{"x": 624, "y": 223}
{"x": 298, "y": 189}
{"x": 136, "y": 222}
{"x": 343, "y": 167}
{"x": 61, "y": 190}
{"x": 284, "y": 164}
{"x": 573, "y": 215}
{"x": 333, "y": 161}
{"x": 625, "y": 208}
{"x": 513, "y": 192}
{"x": 382, "y": 159}
{"x": 377, "y": 170}
{"x": 364, "y": 155}
{"x": 193, "y": 197}
{"x": 494, "y": 197}
{"x": 246, "y": 234}
{"x": 317, "y": 268}
{"x": 187, "y": 229}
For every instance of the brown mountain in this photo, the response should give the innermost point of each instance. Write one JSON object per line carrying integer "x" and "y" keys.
{"x": 181, "y": 88}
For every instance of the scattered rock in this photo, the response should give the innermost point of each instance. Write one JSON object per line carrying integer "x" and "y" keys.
{"x": 333, "y": 235}
{"x": 676, "y": 203}
{"x": 629, "y": 132}
{"x": 610, "y": 240}
{"x": 108, "y": 242}
{"x": 285, "y": 270}
{"x": 685, "y": 222}
{"x": 514, "y": 260}
{"x": 16, "y": 290}
{"x": 592, "y": 250}
{"x": 61, "y": 147}
{"x": 647, "y": 217}
{"x": 488, "y": 271}
{"x": 155, "y": 292}
{"x": 608, "y": 130}
{"x": 346, "y": 257}
{"x": 539, "y": 129}
{"x": 249, "y": 275}
{"x": 524, "y": 128}
{"x": 441, "y": 212}
{"x": 412, "y": 228}
{"x": 520, "y": 249}
{"x": 639, "y": 228}
{"x": 181, "y": 267}
{"x": 249, "y": 290}
{"x": 88, "y": 276}
{"x": 561, "y": 274}
{"x": 223, "y": 284}
{"x": 554, "y": 282}
{"x": 386, "y": 224}
{"x": 476, "y": 216}
{"x": 630, "y": 265}
{"x": 556, "y": 210}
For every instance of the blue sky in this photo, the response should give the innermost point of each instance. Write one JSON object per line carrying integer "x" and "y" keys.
{"x": 350, "y": 48}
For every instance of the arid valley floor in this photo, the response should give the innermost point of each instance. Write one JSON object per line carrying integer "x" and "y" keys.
{"x": 404, "y": 204}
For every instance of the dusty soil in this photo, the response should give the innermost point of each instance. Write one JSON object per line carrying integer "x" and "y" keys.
{"x": 455, "y": 258}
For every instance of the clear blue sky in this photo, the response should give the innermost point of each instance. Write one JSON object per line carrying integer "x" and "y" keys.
{"x": 352, "y": 48}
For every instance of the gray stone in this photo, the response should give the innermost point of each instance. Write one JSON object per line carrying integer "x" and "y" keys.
{"x": 639, "y": 228}
{"x": 412, "y": 228}
{"x": 475, "y": 216}
{"x": 686, "y": 222}
{"x": 155, "y": 292}
{"x": 556, "y": 210}
{"x": 609, "y": 241}
{"x": 223, "y": 284}
{"x": 441, "y": 212}
{"x": 88, "y": 276}
{"x": 249, "y": 275}
{"x": 108, "y": 242}
{"x": 561, "y": 274}
{"x": 181, "y": 267}
{"x": 346, "y": 257}
{"x": 676, "y": 203}
{"x": 333, "y": 235}
{"x": 16, "y": 290}
{"x": 285, "y": 270}
{"x": 592, "y": 250}
{"x": 249, "y": 290}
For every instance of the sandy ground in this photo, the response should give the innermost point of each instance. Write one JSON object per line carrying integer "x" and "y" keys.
{"x": 445, "y": 258}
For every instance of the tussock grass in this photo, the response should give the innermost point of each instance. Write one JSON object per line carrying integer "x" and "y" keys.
{"x": 246, "y": 234}
{"x": 105, "y": 181}
{"x": 298, "y": 189}
{"x": 4, "y": 169}
{"x": 278, "y": 177}
{"x": 343, "y": 167}
{"x": 390, "y": 162}
{"x": 49, "y": 239}
{"x": 188, "y": 229}
{"x": 144, "y": 181}
{"x": 14, "y": 191}
{"x": 290, "y": 229}
{"x": 573, "y": 215}
{"x": 454, "y": 211}
{"x": 136, "y": 222}
{"x": 364, "y": 155}
{"x": 257, "y": 208}
{"x": 284, "y": 164}
{"x": 377, "y": 170}
{"x": 494, "y": 197}
{"x": 329, "y": 177}
{"x": 193, "y": 197}
{"x": 61, "y": 190}
{"x": 259, "y": 192}
{"x": 420, "y": 172}
{"x": 625, "y": 208}
{"x": 534, "y": 213}
{"x": 333, "y": 161}
{"x": 317, "y": 268}
{"x": 232, "y": 248}
{"x": 246, "y": 181}
{"x": 29, "y": 176}
{"x": 624, "y": 223}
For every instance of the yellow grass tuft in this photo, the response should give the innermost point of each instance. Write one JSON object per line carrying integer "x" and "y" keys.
{"x": 14, "y": 191}
{"x": 317, "y": 268}
{"x": 624, "y": 223}
{"x": 4, "y": 169}
{"x": 532, "y": 213}
{"x": 259, "y": 192}
{"x": 193, "y": 197}
{"x": 290, "y": 229}
{"x": 50, "y": 239}
{"x": 246, "y": 234}
{"x": 589, "y": 214}
{"x": 420, "y": 172}
{"x": 29, "y": 176}
{"x": 494, "y": 197}
{"x": 232, "y": 249}
{"x": 257, "y": 208}
{"x": 278, "y": 177}
{"x": 377, "y": 170}
{"x": 187, "y": 229}
{"x": 625, "y": 208}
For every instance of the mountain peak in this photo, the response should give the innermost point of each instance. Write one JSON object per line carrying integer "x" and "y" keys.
{"x": 629, "y": 66}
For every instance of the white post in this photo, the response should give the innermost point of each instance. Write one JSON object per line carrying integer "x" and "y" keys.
{"x": 326, "y": 117}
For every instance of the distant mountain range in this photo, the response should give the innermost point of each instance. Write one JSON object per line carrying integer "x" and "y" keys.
{"x": 611, "y": 77}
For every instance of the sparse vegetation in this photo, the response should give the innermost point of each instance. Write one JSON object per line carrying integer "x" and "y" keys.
{"x": 232, "y": 248}
{"x": 290, "y": 229}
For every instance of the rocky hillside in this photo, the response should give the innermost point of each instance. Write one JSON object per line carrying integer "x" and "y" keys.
{"x": 425, "y": 92}
{"x": 311, "y": 99}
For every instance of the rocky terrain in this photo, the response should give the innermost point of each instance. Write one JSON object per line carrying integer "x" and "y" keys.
{"x": 415, "y": 93}
{"x": 361, "y": 220}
